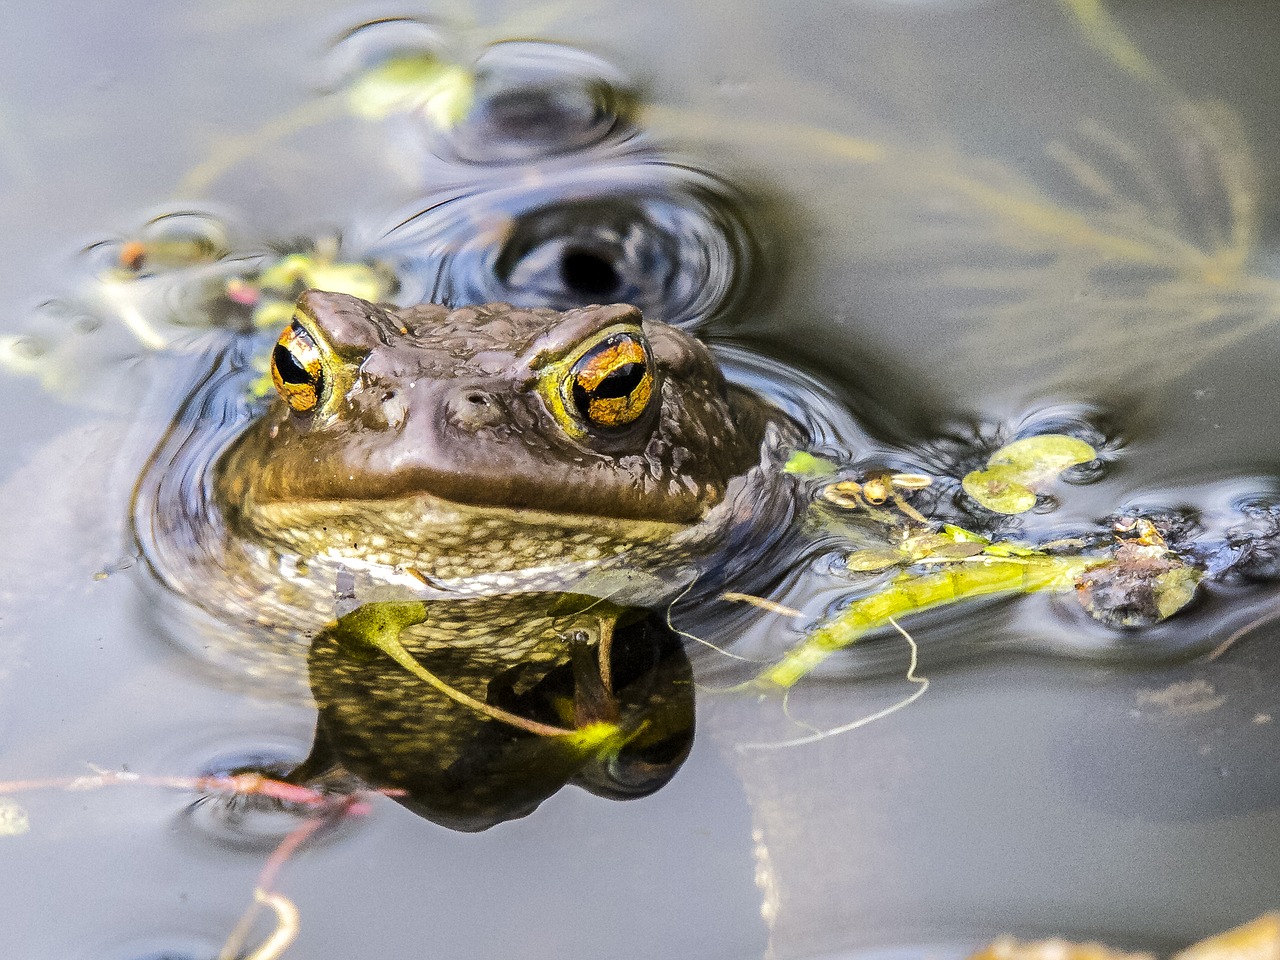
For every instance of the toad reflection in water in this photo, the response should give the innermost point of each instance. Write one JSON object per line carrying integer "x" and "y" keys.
{"x": 619, "y": 731}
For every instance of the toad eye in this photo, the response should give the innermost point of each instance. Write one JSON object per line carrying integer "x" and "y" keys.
{"x": 611, "y": 384}
{"x": 297, "y": 369}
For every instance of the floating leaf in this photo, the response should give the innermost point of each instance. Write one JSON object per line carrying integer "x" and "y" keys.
{"x": 955, "y": 551}
{"x": 1044, "y": 456}
{"x": 358, "y": 279}
{"x": 13, "y": 819}
{"x": 419, "y": 82}
{"x": 277, "y": 286}
{"x": 1259, "y": 938}
{"x": 961, "y": 535}
{"x": 1014, "y": 472}
{"x": 320, "y": 272}
{"x": 876, "y": 558}
{"x": 805, "y": 464}
{"x": 1000, "y": 489}
{"x": 273, "y": 313}
{"x": 1175, "y": 589}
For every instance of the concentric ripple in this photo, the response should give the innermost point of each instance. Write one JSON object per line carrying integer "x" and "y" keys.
{"x": 538, "y": 100}
{"x": 249, "y": 823}
{"x": 674, "y": 241}
{"x": 524, "y": 100}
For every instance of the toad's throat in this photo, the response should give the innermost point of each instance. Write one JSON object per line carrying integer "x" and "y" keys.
{"x": 442, "y": 539}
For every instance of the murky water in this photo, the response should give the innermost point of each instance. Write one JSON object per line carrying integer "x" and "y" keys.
{"x": 913, "y": 226}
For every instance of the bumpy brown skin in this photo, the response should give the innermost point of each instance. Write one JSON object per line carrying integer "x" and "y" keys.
{"x": 438, "y": 445}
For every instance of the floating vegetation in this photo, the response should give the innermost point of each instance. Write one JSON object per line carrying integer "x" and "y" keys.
{"x": 274, "y": 290}
{"x": 805, "y": 464}
{"x": 1017, "y": 471}
{"x": 440, "y": 91}
{"x": 1140, "y": 569}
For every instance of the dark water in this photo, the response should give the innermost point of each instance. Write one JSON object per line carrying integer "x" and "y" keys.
{"x": 959, "y": 220}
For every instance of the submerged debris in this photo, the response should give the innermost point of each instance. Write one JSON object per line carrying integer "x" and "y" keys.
{"x": 1141, "y": 584}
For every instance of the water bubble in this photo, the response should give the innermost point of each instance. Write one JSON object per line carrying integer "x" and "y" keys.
{"x": 518, "y": 101}
{"x": 183, "y": 238}
{"x": 401, "y": 66}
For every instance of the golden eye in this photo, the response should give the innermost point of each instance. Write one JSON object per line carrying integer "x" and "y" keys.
{"x": 611, "y": 384}
{"x": 297, "y": 369}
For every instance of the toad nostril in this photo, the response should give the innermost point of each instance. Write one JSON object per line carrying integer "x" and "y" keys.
{"x": 588, "y": 273}
{"x": 471, "y": 409}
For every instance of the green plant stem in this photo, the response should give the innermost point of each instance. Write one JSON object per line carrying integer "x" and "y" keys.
{"x": 980, "y": 577}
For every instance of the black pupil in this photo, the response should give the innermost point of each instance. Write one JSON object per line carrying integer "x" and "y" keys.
{"x": 289, "y": 369}
{"x": 620, "y": 382}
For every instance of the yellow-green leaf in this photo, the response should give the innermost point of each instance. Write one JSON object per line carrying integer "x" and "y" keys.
{"x": 805, "y": 464}
{"x": 1044, "y": 456}
{"x": 1175, "y": 589}
{"x": 423, "y": 82}
{"x": 866, "y": 561}
{"x": 273, "y": 313}
{"x": 961, "y": 535}
{"x": 999, "y": 490}
{"x": 357, "y": 279}
{"x": 1017, "y": 470}
{"x": 955, "y": 551}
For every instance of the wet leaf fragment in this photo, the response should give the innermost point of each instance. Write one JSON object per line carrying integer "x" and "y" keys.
{"x": 875, "y": 558}
{"x": 420, "y": 82}
{"x": 805, "y": 464}
{"x": 1016, "y": 471}
{"x": 273, "y": 292}
{"x": 1140, "y": 585}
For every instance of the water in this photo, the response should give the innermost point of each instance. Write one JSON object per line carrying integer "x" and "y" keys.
{"x": 837, "y": 208}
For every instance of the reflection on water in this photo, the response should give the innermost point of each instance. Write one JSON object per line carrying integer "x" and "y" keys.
{"x": 1095, "y": 266}
{"x": 452, "y": 763}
